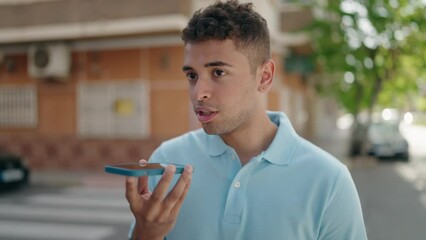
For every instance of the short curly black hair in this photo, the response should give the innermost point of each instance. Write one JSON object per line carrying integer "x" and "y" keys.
{"x": 235, "y": 21}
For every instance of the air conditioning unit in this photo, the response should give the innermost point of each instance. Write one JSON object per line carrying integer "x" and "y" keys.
{"x": 52, "y": 61}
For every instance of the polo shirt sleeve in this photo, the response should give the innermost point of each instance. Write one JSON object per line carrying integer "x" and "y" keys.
{"x": 342, "y": 217}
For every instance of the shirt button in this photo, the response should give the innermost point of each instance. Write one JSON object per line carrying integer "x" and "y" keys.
{"x": 234, "y": 157}
{"x": 237, "y": 184}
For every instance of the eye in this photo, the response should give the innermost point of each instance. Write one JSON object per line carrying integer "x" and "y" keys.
{"x": 218, "y": 73}
{"x": 191, "y": 76}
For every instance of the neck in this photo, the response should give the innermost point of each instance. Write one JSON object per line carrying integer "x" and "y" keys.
{"x": 252, "y": 138}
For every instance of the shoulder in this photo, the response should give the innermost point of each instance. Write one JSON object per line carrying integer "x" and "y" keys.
{"x": 331, "y": 177}
{"x": 320, "y": 167}
{"x": 298, "y": 151}
{"x": 318, "y": 158}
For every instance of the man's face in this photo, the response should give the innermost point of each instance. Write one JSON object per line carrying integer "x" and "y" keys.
{"x": 222, "y": 88}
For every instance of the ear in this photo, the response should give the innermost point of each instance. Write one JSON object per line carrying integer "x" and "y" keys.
{"x": 267, "y": 71}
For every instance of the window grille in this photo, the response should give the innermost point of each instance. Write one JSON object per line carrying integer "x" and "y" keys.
{"x": 113, "y": 109}
{"x": 18, "y": 106}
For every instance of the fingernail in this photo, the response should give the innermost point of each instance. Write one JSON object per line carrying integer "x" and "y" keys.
{"x": 189, "y": 169}
{"x": 171, "y": 168}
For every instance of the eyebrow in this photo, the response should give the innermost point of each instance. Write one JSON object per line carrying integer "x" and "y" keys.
{"x": 211, "y": 64}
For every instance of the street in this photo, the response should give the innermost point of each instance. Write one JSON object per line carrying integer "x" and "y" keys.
{"x": 393, "y": 197}
{"x": 64, "y": 213}
{"x": 393, "y": 194}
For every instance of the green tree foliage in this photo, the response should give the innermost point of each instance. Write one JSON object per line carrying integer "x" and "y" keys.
{"x": 371, "y": 52}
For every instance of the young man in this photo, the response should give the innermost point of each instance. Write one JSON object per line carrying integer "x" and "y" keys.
{"x": 254, "y": 177}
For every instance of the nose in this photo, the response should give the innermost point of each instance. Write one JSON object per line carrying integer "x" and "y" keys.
{"x": 202, "y": 90}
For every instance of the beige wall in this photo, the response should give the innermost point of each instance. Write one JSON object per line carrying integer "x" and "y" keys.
{"x": 56, "y": 110}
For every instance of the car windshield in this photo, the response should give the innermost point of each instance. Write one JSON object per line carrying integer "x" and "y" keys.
{"x": 379, "y": 132}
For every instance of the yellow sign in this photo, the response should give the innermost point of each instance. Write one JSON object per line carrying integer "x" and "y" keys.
{"x": 124, "y": 107}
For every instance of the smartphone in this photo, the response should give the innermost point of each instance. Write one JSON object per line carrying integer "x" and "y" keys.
{"x": 138, "y": 170}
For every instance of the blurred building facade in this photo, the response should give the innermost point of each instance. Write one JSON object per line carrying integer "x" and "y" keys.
{"x": 89, "y": 82}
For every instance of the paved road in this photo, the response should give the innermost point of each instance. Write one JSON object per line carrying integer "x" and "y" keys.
{"x": 393, "y": 194}
{"x": 393, "y": 197}
{"x": 64, "y": 213}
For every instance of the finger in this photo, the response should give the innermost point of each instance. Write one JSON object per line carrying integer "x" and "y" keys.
{"x": 132, "y": 194}
{"x": 143, "y": 185}
{"x": 164, "y": 183}
{"x": 143, "y": 181}
{"x": 175, "y": 211}
{"x": 178, "y": 193}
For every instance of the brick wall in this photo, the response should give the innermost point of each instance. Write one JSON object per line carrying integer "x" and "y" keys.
{"x": 71, "y": 153}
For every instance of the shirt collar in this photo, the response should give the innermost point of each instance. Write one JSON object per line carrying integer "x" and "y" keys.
{"x": 216, "y": 145}
{"x": 280, "y": 151}
{"x": 285, "y": 142}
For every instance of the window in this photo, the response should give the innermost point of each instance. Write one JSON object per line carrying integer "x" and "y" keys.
{"x": 18, "y": 106}
{"x": 113, "y": 109}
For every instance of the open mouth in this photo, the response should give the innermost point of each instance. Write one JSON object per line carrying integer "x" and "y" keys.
{"x": 205, "y": 116}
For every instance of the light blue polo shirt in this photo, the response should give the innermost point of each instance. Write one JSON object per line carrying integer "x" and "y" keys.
{"x": 293, "y": 190}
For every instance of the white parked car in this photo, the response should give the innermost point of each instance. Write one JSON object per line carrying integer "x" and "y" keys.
{"x": 385, "y": 141}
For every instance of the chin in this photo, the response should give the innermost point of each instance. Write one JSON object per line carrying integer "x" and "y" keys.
{"x": 211, "y": 129}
